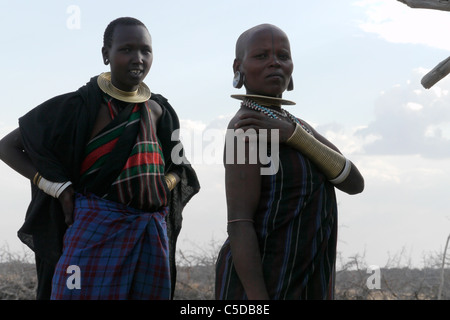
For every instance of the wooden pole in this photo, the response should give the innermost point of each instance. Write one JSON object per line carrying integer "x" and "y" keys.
{"x": 442, "y": 69}
{"x": 441, "y": 286}
{"x": 428, "y": 4}
{"x": 438, "y": 73}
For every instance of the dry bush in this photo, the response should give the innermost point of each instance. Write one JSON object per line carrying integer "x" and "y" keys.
{"x": 17, "y": 276}
{"x": 196, "y": 277}
{"x": 196, "y": 273}
{"x": 399, "y": 281}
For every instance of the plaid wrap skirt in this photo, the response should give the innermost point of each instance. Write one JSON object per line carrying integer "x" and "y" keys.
{"x": 113, "y": 252}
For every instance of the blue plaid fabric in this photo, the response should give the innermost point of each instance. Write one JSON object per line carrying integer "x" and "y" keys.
{"x": 122, "y": 253}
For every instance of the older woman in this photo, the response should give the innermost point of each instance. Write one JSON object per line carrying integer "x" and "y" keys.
{"x": 282, "y": 226}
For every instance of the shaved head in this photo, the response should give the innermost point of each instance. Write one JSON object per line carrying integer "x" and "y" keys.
{"x": 263, "y": 63}
{"x": 244, "y": 38}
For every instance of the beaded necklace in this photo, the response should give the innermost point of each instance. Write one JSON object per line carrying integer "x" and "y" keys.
{"x": 271, "y": 113}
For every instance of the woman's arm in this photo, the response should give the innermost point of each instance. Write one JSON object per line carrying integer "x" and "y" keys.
{"x": 13, "y": 154}
{"x": 352, "y": 184}
{"x": 242, "y": 184}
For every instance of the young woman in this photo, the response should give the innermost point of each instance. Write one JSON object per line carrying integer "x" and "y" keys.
{"x": 282, "y": 226}
{"x": 103, "y": 180}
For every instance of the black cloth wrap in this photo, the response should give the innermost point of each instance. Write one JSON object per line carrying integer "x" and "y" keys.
{"x": 55, "y": 135}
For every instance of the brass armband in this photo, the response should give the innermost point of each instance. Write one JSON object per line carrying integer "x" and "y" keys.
{"x": 330, "y": 162}
{"x": 171, "y": 181}
{"x": 36, "y": 178}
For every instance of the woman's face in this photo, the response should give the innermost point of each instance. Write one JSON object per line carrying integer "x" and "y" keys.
{"x": 267, "y": 64}
{"x": 130, "y": 56}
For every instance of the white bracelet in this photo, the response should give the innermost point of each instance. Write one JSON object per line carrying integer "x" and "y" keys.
{"x": 344, "y": 174}
{"x": 62, "y": 188}
{"x": 53, "y": 189}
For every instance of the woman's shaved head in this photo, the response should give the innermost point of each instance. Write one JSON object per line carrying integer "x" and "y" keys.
{"x": 244, "y": 38}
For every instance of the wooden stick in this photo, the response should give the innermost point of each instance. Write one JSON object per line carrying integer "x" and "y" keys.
{"x": 438, "y": 73}
{"x": 443, "y": 68}
{"x": 443, "y": 5}
{"x": 442, "y": 269}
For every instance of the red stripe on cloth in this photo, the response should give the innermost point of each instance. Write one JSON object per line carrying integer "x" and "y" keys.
{"x": 92, "y": 157}
{"x": 144, "y": 158}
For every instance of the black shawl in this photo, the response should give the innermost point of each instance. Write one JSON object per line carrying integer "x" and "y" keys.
{"x": 55, "y": 135}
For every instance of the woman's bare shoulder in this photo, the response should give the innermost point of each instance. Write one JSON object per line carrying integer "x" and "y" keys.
{"x": 237, "y": 116}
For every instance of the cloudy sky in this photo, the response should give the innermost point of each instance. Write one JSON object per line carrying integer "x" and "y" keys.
{"x": 358, "y": 67}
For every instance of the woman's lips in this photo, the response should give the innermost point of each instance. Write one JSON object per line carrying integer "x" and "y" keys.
{"x": 275, "y": 75}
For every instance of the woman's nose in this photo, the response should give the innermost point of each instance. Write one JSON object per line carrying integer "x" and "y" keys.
{"x": 138, "y": 57}
{"x": 274, "y": 61}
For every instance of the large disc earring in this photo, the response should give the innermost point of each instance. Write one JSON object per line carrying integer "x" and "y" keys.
{"x": 238, "y": 80}
{"x": 290, "y": 85}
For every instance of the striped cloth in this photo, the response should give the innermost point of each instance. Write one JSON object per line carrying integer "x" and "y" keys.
{"x": 121, "y": 253}
{"x": 138, "y": 181}
{"x": 296, "y": 225}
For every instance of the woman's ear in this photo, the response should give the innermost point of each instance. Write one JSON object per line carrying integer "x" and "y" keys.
{"x": 238, "y": 79}
{"x": 236, "y": 65}
{"x": 105, "y": 56}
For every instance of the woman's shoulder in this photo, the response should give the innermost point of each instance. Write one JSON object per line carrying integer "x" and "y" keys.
{"x": 155, "y": 107}
{"x": 65, "y": 102}
{"x": 237, "y": 116}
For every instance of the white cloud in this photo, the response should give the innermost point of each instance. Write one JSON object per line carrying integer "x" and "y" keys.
{"x": 410, "y": 120}
{"x": 395, "y": 22}
{"x": 192, "y": 125}
{"x": 204, "y": 142}
{"x": 414, "y": 106}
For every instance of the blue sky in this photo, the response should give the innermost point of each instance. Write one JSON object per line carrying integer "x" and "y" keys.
{"x": 357, "y": 72}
